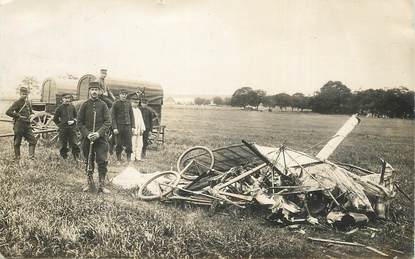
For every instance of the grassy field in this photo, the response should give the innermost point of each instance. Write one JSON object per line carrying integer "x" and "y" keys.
{"x": 44, "y": 213}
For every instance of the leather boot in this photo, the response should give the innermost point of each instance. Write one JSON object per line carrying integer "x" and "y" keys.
{"x": 90, "y": 184}
{"x": 101, "y": 186}
{"x": 75, "y": 157}
{"x": 118, "y": 156}
{"x": 16, "y": 153}
{"x": 32, "y": 152}
{"x": 128, "y": 157}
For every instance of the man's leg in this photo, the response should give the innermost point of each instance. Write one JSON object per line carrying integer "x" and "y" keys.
{"x": 101, "y": 150}
{"x": 145, "y": 143}
{"x": 127, "y": 135}
{"x": 118, "y": 148}
{"x": 16, "y": 145}
{"x": 72, "y": 139}
{"x": 17, "y": 140}
{"x": 63, "y": 139}
{"x": 89, "y": 168}
{"x": 30, "y": 138}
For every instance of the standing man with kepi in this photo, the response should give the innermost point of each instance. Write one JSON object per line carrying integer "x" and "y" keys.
{"x": 105, "y": 95}
{"x": 94, "y": 120}
{"x": 21, "y": 112}
{"x": 65, "y": 119}
{"x": 123, "y": 125}
{"x": 148, "y": 122}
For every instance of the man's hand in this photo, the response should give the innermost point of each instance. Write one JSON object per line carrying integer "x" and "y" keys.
{"x": 134, "y": 131}
{"x": 116, "y": 131}
{"x": 71, "y": 122}
{"x": 31, "y": 117}
{"x": 93, "y": 136}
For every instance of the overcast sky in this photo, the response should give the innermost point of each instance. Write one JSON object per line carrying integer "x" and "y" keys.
{"x": 212, "y": 46}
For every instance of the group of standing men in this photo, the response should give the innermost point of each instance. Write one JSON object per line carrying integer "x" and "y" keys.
{"x": 128, "y": 119}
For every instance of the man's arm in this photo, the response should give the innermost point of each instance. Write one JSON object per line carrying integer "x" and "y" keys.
{"x": 81, "y": 120}
{"x": 11, "y": 112}
{"x": 113, "y": 115}
{"x": 56, "y": 116}
{"x": 107, "y": 121}
{"x": 74, "y": 114}
{"x": 151, "y": 119}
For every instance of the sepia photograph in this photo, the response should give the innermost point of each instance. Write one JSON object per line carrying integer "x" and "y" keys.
{"x": 207, "y": 128}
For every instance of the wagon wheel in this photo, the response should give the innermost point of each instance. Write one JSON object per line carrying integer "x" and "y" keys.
{"x": 44, "y": 121}
{"x": 196, "y": 160}
{"x": 159, "y": 185}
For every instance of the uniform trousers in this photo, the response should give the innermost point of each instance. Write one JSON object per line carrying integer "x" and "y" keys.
{"x": 99, "y": 154}
{"x": 124, "y": 139}
{"x": 22, "y": 129}
{"x": 67, "y": 135}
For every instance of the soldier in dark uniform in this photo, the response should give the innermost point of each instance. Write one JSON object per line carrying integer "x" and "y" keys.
{"x": 65, "y": 118}
{"x": 107, "y": 96}
{"x": 21, "y": 112}
{"x": 95, "y": 107}
{"x": 122, "y": 125}
{"x": 148, "y": 122}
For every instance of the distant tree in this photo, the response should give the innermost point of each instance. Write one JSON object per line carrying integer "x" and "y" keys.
{"x": 227, "y": 101}
{"x": 283, "y": 100}
{"x": 268, "y": 101}
{"x": 218, "y": 100}
{"x": 333, "y": 97}
{"x": 199, "y": 101}
{"x": 297, "y": 100}
{"x": 399, "y": 103}
{"x": 242, "y": 97}
{"x": 32, "y": 84}
{"x": 257, "y": 97}
{"x": 206, "y": 101}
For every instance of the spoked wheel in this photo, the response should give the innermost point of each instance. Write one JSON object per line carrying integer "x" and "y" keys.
{"x": 159, "y": 185}
{"x": 195, "y": 161}
{"x": 44, "y": 121}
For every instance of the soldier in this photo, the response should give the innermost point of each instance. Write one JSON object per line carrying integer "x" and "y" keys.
{"x": 148, "y": 122}
{"x": 65, "y": 118}
{"x": 105, "y": 95}
{"x": 94, "y": 110}
{"x": 123, "y": 125}
{"x": 21, "y": 112}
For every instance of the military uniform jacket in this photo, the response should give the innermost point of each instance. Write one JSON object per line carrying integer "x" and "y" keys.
{"x": 63, "y": 114}
{"x": 20, "y": 110}
{"x": 86, "y": 117}
{"x": 122, "y": 114}
{"x": 147, "y": 118}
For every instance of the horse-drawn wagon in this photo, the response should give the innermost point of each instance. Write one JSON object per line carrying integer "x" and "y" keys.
{"x": 51, "y": 97}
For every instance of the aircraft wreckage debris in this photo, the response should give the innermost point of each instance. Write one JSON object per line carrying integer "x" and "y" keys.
{"x": 293, "y": 185}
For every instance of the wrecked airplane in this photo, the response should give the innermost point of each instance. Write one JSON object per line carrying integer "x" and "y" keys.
{"x": 294, "y": 185}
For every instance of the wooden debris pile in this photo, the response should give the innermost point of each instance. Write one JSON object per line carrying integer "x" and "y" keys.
{"x": 293, "y": 185}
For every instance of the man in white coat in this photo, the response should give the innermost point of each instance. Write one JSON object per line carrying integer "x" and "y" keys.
{"x": 137, "y": 136}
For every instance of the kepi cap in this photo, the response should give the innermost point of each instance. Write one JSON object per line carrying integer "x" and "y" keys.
{"x": 94, "y": 84}
{"x": 134, "y": 97}
{"x": 123, "y": 91}
{"x": 66, "y": 95}
{"x": 24, "y": 90}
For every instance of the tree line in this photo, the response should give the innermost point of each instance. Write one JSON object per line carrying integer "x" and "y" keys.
{"x": 333, "y": 98}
